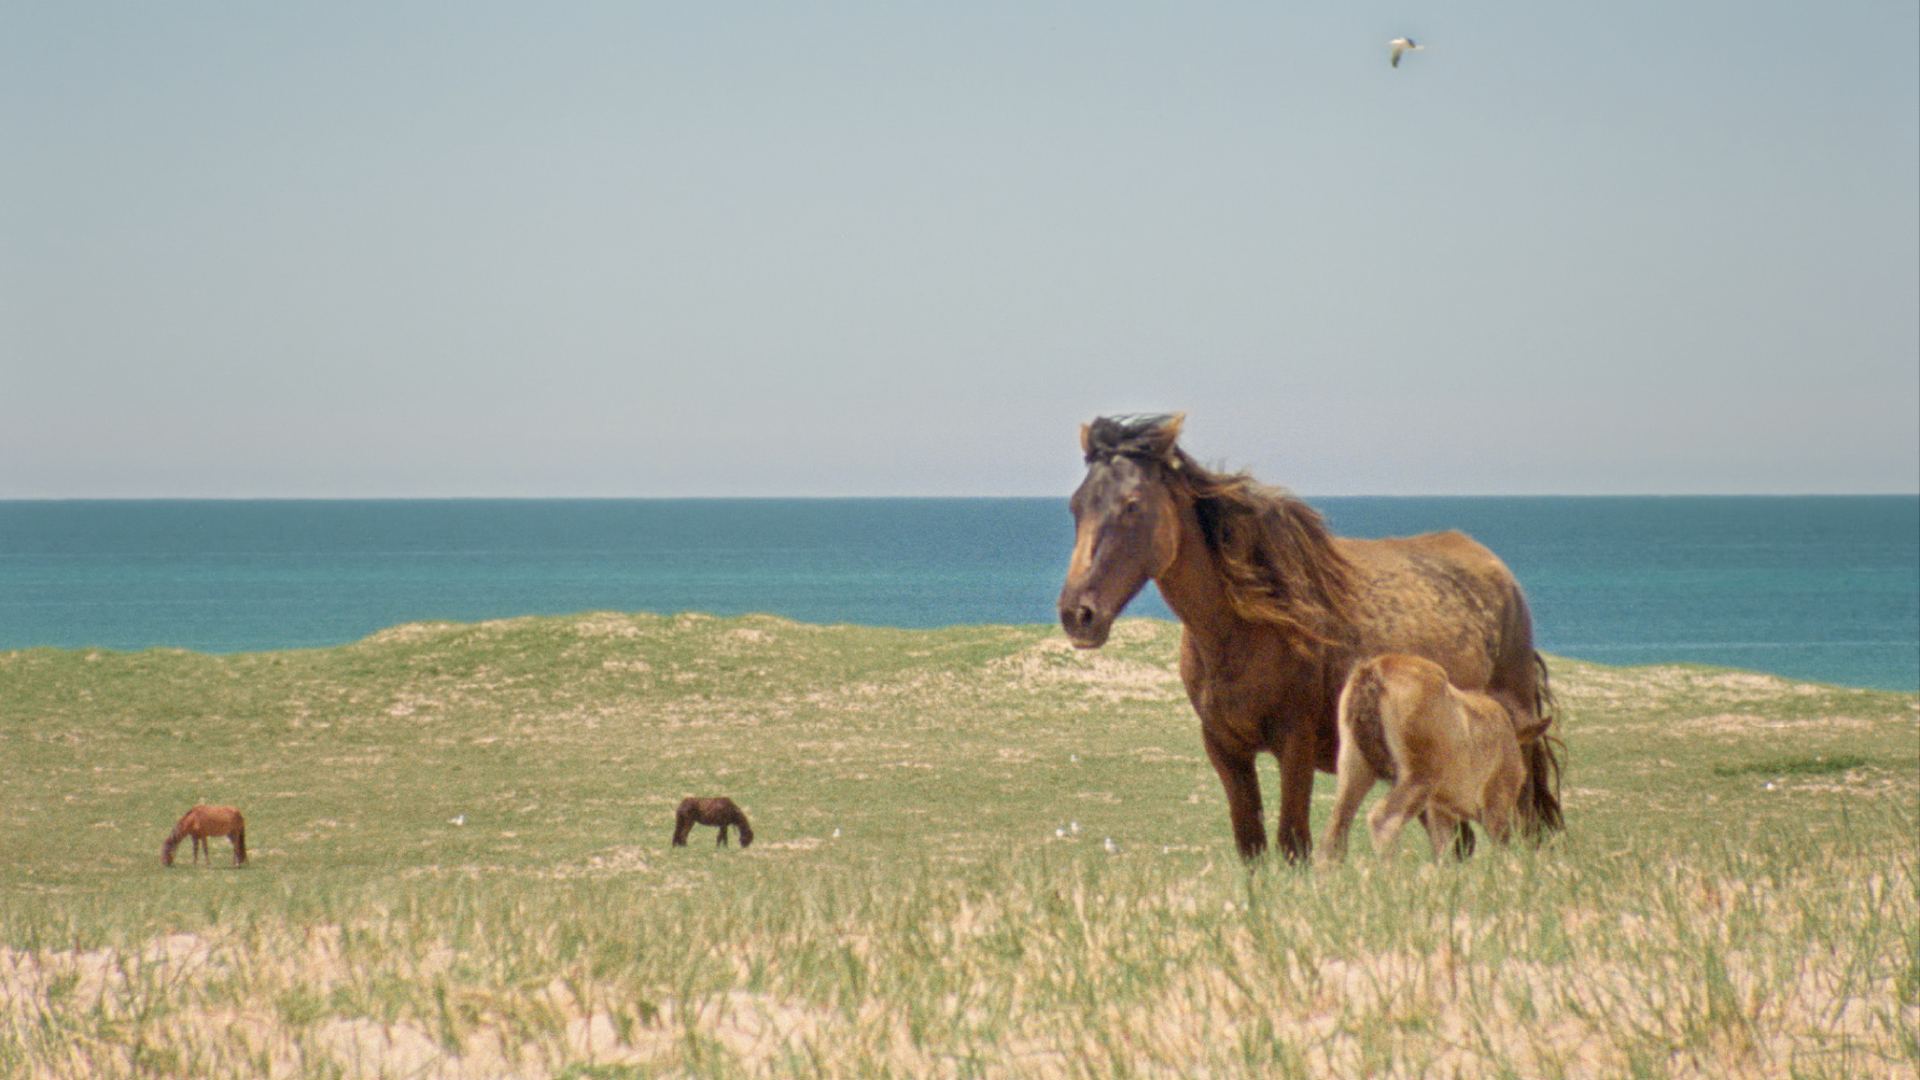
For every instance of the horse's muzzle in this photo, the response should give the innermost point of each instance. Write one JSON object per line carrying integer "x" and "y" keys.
{"x": 1086, "y": 626}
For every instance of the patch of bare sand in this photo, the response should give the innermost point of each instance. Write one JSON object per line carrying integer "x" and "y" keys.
{"x": 607, "y": 624}
{"x": 407, "y": 633}
{"x": 1748, "y": 723}
{"x": 614, "y": 863}
{"x": 1054, "y": 662}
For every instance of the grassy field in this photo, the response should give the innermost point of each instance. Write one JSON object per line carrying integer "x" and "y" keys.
{"x": 1738, "y": 891}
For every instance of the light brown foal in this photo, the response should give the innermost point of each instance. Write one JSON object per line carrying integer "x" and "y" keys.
{"x": 1451, "y": 755}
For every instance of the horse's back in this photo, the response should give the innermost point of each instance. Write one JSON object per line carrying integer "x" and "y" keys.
{"x": 217, "y": 820}
{"x": 1446, "y": 598}
{"x": 717, "y": 810}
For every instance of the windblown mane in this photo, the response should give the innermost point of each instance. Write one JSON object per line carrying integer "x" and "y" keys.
{"x": 1278, "y": 558}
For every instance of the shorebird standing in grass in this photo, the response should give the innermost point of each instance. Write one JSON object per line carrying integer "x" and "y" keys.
{"x": 1402, "y": 46}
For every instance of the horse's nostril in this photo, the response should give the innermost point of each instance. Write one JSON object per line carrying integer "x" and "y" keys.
{"x": 1083, "y": 616}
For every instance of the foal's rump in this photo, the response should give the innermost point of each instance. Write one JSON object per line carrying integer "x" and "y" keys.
{"x": 1380, "y": 695}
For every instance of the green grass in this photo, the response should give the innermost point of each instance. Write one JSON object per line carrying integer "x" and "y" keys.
{"x": 1737, "y": 891}
{"x": 1815, "y": 765}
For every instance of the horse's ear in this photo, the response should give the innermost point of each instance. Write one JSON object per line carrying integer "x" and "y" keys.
{"x": 1167, "y": 434}
{"x": 1086, "y": 438}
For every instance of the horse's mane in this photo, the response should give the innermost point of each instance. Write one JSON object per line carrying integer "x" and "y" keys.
{"x": 1277, "y": 557}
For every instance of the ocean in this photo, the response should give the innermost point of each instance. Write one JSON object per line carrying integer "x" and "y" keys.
{"x": 1820, "y": 588}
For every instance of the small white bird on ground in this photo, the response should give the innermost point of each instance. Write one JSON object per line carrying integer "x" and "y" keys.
{"x": 457, "y": 819}
{"x": 1112, "y": 848}
{"x": 1074, "y": 827}
{"x": 1059, "y": 834}
{"x": 836, "y": 834}
{"x": 1402, "y": 46}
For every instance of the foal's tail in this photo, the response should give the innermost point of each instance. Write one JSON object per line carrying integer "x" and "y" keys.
{"x": 1362, "y": 701}
{"x": 1540, "y": 803}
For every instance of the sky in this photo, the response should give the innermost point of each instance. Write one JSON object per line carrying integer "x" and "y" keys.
{"x": 633, "y": 249}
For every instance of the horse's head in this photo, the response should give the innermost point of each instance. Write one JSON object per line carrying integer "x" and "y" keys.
{"x": 1126, "y": 521}
{"x": 166, "y": 851}
{"x": 746, "y": 834}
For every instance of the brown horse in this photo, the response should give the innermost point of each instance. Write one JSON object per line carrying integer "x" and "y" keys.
{"x": 1275, "y": 610}
{"x": 202, "y": 822}
{"x": 1452, "y": 755}
{"x": 717, "y": 811}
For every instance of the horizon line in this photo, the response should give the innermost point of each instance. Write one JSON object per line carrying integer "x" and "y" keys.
{"x": 949, "y": 498}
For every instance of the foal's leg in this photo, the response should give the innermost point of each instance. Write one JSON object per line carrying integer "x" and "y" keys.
{"x": 1502, "y": 804}
{"x": 1407, "y": 799}
{"x": 1356, "y": 779}
{"x": 1440, "y": 830}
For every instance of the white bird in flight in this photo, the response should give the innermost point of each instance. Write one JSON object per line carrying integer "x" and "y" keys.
{"x": 1402, "y": 46}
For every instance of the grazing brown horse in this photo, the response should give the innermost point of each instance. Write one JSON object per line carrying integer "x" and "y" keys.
{"x": 1452, "y": 755}
{"x": 1275, "y": 610}
{"x": 719, "y": 811}
{"x": 202, "y": 822}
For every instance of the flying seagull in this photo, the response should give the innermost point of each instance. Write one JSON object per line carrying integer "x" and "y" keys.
{"x": 1402, "y": 46}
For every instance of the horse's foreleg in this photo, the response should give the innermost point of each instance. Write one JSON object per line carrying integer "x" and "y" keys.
{"x": 1242, "y": 785}
{"x": 1502, "y": 800}
{"x": 1297, "y": 753}
{"x": 1440, "y": 830}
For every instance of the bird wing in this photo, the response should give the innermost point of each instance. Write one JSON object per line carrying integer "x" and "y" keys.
{"x": 1397, "y": 50}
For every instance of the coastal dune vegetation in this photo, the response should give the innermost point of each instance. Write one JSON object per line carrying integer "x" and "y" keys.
{"x": 978, "y": 852}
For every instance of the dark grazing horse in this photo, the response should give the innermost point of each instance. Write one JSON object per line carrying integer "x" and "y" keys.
{"x": 1275, "y": 611}
{"x": 719, "y": 811}
{"x": 202, "y": 822}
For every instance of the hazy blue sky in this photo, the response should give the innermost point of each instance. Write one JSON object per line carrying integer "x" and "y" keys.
{"x": 737, "y": 249}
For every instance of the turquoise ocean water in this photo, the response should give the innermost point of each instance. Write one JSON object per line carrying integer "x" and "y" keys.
{"x": 1824, "y": 588}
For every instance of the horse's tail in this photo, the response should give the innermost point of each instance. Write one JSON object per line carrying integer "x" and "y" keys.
{"x": 1360, "y": 719}
{"x": 240, "y": 843}
{"x": 1540, "y": 803}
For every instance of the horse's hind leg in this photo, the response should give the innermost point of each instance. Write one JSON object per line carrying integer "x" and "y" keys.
{"x": 1407, "y": 799}
{"x": 1356, "y": 779}
{"x": 722, "y": 842}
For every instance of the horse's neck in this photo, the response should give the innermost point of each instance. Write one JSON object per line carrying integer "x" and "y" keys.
{"x": 1194, "y": 590}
